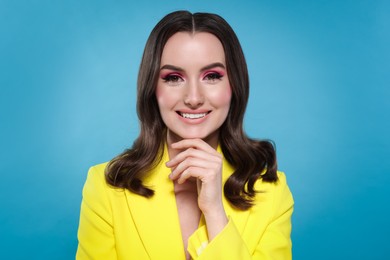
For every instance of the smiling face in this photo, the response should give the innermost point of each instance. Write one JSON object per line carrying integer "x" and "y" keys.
{"x": 193, "y": 90}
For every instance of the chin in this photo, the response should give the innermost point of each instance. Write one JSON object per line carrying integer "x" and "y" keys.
{"x": 187, "y": 135}
{"x": 193, "y": 137}
{"x": 205, "y": 135}
{"x": 208, "y": 138}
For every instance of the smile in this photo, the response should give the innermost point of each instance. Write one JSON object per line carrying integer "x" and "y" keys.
{"x": 193, "y": 116}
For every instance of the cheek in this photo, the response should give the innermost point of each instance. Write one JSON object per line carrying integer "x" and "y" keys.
{"x": 228, "y": 96}
{"x": 223, "y": 97}
{"x": 166, "y": 99}
{"x": 161, "y": 97}
{"x": 158, "y": 92}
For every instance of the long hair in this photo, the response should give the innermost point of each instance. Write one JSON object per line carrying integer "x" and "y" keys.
{"x": 252, "y": 159}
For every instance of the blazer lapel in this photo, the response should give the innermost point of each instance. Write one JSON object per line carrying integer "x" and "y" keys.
{"x": 157, "y": 218}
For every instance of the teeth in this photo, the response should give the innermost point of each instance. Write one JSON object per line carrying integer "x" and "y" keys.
{"x": 193, "y": 116}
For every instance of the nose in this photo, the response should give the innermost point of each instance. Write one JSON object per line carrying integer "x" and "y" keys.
{"x": 193, "y": 97}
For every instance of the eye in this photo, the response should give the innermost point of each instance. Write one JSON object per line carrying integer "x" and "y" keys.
{"x": 213, "y": 76}
{"x": 172, "y": 79}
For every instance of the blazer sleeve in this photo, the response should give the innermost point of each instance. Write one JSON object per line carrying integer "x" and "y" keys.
{"x": 274, "y": 243}
{"x": 95, "y": 233}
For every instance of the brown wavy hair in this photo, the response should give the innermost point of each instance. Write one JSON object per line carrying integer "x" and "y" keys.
{"x": 252, "y": 159}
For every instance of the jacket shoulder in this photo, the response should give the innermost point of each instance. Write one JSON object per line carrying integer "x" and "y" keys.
{"x": 98, "y": 168}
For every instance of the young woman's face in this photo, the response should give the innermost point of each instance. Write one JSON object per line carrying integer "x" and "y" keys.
{"x": 193, "y": 90}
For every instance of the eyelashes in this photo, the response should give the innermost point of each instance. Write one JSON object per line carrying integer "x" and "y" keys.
{"x": 175, "y": 78}
{"x": 213, "y": 76}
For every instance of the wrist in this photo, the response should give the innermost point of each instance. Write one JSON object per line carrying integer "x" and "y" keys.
{"x": 215, "y": 222}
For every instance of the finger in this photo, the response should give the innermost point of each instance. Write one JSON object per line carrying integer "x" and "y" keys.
{"x": 192, "y": 152}
{"x": 195, "y": 172}
{"x": 193, "y": 162}
{"x": 194, "y": 143}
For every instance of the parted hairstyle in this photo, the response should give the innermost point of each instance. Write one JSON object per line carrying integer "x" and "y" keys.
{"x": 252, "y": 159}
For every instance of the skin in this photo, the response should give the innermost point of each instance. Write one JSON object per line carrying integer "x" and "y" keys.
{"x": 193, "y": 94}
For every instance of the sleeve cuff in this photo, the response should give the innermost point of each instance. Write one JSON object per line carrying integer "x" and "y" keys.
{"x": 228, "y": 241}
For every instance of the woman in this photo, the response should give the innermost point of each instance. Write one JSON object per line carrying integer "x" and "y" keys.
{"x": 193, "y": 185}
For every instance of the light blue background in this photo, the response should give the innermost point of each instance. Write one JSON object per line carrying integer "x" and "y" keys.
{"x": 320, "y": 89}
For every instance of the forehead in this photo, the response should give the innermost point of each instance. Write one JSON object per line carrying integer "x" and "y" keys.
{"x": 192, "y": 48}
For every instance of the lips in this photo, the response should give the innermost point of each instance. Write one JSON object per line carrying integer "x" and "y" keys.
{"x": 193, "y": 115}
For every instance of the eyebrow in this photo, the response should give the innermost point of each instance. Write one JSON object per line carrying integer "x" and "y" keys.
{"x": 207, "y": 67}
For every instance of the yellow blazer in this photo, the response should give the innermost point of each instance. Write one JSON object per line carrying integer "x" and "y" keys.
{"x": 117, "y": 224}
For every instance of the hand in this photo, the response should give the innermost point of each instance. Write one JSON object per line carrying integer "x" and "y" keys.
{"x": 199, "y": 160}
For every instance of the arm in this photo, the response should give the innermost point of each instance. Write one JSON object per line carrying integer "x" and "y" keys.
{"x": 273, "y": 243}
{"x": 95, "y": 233}
{"x": 276, "y": 240}
{"x": 199, "y": 160}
